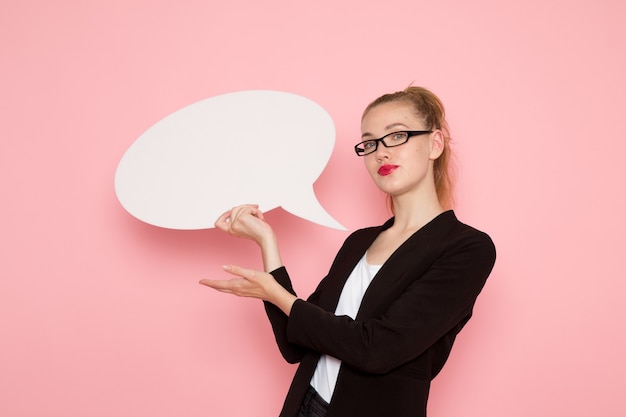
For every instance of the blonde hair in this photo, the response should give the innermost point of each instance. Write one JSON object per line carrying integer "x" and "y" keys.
{"x": 431, "y": 110}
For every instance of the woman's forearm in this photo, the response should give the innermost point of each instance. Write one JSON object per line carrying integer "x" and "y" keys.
{"x": 270, "y": 253}
{"x": 281, "y": 298}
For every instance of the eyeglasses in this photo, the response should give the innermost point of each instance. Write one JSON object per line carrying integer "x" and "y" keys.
{"x": 389, "y": 141}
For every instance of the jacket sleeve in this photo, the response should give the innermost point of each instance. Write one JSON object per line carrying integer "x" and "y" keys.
{"x": 435, "y": 303}
{"x": 292, "y": 353}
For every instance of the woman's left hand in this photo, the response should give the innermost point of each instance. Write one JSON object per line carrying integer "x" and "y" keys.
{"x": 255, "y": 284}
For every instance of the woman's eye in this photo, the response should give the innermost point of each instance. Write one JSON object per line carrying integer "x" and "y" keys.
{"x": 369, "y": 144}
{"x": 399, "y": 136}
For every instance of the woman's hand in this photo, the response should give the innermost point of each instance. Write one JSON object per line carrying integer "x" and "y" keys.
{"x": 247, "y": 221}
{"x": 255, "y": 284}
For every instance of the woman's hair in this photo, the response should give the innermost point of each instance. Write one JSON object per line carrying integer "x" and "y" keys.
{"x": 431, "y": 110}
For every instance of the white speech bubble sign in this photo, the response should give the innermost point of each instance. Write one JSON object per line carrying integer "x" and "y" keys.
{"x": 260, "y": 146}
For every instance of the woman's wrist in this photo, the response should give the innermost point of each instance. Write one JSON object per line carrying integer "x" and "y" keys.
{"x": 270, "y": 254}
{"x": 285, "y": 301}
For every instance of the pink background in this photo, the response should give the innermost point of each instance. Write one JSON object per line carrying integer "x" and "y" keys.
{"x": 101, "y": 315}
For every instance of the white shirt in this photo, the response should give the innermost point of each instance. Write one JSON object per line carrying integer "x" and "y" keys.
{"x": 325, "y": 376}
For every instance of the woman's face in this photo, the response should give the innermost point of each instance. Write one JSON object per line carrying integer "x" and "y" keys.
{"x": 407, "y": 168}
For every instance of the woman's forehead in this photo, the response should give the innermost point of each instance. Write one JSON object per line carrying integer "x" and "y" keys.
{"x": 391, "y": 115}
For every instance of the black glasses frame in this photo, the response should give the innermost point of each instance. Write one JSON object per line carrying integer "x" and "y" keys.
{"x": 361, "y": 151}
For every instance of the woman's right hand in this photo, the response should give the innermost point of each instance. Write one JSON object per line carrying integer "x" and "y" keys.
{"x": 245, "y": 221}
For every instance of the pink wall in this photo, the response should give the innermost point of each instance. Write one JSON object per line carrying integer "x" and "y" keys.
{"x": 101, "y": 315}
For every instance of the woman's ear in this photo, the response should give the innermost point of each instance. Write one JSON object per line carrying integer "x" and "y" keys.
{"x": 437, "y": 144}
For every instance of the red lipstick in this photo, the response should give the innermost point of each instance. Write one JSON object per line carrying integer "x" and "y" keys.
{"x": 386, "y": 169}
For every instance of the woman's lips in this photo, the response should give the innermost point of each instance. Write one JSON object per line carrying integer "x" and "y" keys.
{"x": 386, "y": 169}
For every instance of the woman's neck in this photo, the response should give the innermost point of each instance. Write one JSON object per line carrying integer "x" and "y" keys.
{"x": 412, "y": 214}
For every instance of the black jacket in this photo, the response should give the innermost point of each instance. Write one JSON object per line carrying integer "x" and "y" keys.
{"x": 406, "y": 325}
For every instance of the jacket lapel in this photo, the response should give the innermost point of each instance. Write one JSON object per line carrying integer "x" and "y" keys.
{"x": 406, "y": 264}
{"x": 345, "y": 263}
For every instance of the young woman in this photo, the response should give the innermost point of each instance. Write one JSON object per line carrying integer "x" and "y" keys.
{"x": 381, "y": 324}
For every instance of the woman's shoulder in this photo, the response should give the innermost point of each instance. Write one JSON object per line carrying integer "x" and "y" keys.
{"x": 444, "y": 229}
{"x": 446, "y": 233}
{"x": 369, "y": 230}
{"x": 465, "y": 230}
{"x": 465, "y": 236}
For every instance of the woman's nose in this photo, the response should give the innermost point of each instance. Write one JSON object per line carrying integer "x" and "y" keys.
{"x": 381, "y": 152}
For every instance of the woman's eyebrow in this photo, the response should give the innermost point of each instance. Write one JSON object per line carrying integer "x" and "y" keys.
{"x": 388, "y": 127}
